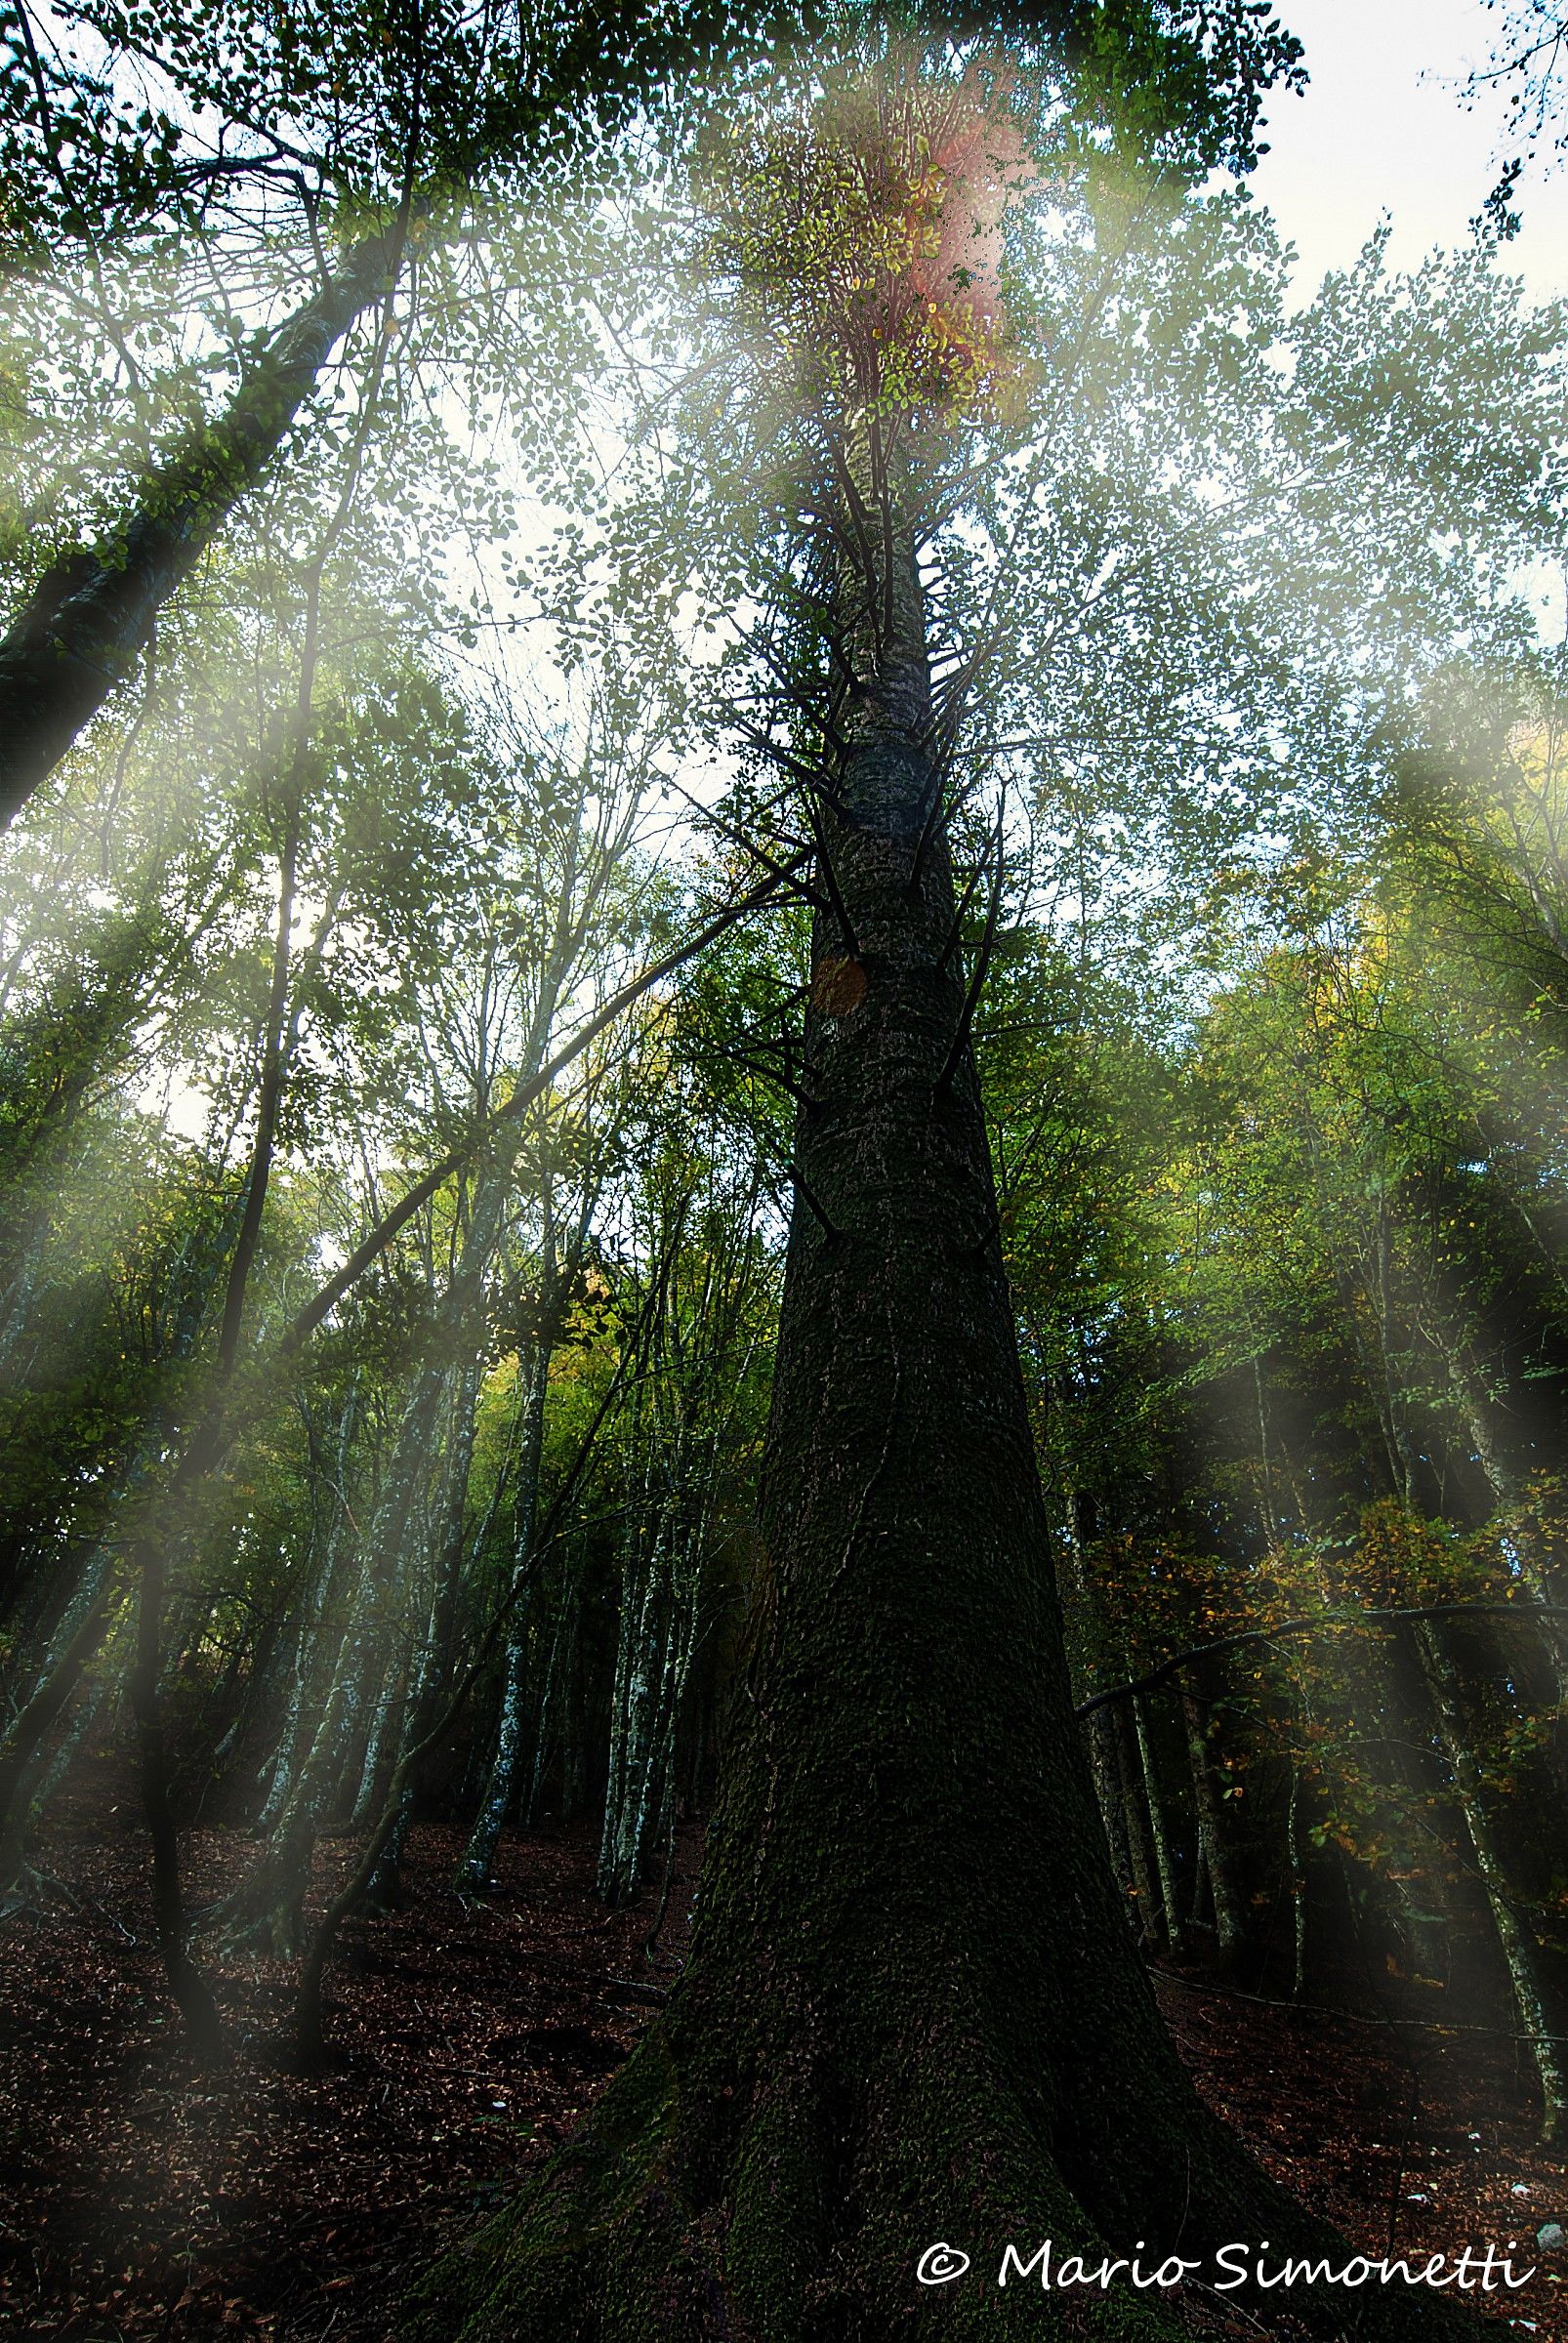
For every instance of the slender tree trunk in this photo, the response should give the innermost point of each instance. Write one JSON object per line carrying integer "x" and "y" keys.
{"x": 1134, "y": 1810}
{"x": 76, "y": 1635}
{"x": 1163, "y": 1861}
{"x": 41, "y": 1778}
{"x": 190, "y": 1990}
{"x": 1297, "y": 1876}
{"x": 572, "y": 1709}
{"x": 1100, "y": 1736}
{"x": 75, "y": 1640}
{"x": 661, "y": 1659}
{"x": 264, "y": 1913}
{"x": 1210, "y": 1833}
{"x": 1517, "y": 1945}
{"x": 1265, "y": 1470}
{"x": 318, "y": 1632}
{"x": 1505, "y": 1483}
{"x": 645, "y": 1640}
{"x": 384, "y": 1731}
{"x": 501, "y": 1786}
{"x": 1100, "y": 1730}
{"x": 553, "y": 1698}
{"x": 428, "y": 1677}
{"x": 270, "y": 1094}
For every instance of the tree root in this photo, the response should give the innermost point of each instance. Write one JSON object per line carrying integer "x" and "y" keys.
{"x": 676, "y": 2217}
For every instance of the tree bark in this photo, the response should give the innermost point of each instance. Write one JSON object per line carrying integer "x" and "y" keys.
{"x": 1134, "y": 1814}
{"x": 501, "y": 1785}
{"x": 1515, "y": 1938}
{"x": 1164, "y": 1863}
{"x": 1210, "y": 1833}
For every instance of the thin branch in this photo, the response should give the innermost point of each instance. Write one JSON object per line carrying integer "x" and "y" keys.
{"x": 1312, "y": 1626}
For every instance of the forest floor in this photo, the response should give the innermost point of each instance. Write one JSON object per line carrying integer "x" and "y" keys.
{"x": 139, "y": 2196}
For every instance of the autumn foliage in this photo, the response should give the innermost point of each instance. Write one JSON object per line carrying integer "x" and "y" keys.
{"x": 867, "y": 232}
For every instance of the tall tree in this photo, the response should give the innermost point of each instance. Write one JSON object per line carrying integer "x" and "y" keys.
{"x": 909, "y": 1986}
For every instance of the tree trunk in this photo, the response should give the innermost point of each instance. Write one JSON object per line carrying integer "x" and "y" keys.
{"x": 1210, "y": 1833}
{"x": 1297, "y": 1876}
{"x": 911, "y": 2007}
{"x": 1513, "y": 1937}
{"x": 76, "y": 1638}
{"x": 92, "y": 614}
{"x": 76, "y": 1635}
{"x": 501, "y": 1787}
{"x": 1099, "y": 1728}
{"x": 1507, "y": 1483}
{"x": 191, "y": 1993}
{"x": 426, "y": 1675}
{"x": 263, "y": 1915}
{"x": 318, "y": 1632}
{"x": 1145, "y": 1895}
{"x": 1164, "y": 1864}
{"x": 646, "y": 1630}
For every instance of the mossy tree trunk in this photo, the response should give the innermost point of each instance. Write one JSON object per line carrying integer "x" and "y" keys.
{"x": 912, "y": 2010}
{"x": 91, "y": 615}
{"x": 1515, "y": 1937}
{"x": 1211, "y": 1844}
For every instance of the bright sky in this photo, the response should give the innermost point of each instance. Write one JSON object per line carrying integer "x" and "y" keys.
{"x": 1383, "y": 128}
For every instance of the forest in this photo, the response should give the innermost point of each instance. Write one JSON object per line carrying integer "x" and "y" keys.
{"x": 784, "y": 1257}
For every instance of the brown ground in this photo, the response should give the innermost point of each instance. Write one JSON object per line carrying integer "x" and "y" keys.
{"x": 138, "y": 2198}
{"x": 1415, "y": 2136}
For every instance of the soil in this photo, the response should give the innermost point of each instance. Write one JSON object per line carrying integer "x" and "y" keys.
{"x": 139, "y": 2196}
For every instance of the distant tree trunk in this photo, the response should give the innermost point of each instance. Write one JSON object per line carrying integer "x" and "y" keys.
{"x": 1135, "y": 1810}
{"x": 264, "y": 1913}
{"x": 191, "y": 1993}
{"x": 1506, "y": 1484}
{"x": 501, "y": 1785}
{"x": 1298, "y": 1879}
{"x": 554, "y": 1726}
{"x": 572, "y": 1707}
{"x": 1099, "y": 1729}
{"x": 317, "y": 1625}
{"x": 638, "y": 1667}
{"x": 432, "y": 1664}
{"x": 1164, "y": 1859}
{"x": 75, "y": 1636}
{"x": 1265, "y": 1470}
{"x": 1517, "y": 1945}
{"x": 658, "y": 1625}
{"x": 39, "y": 1782}
{"x": 389, "y": 1709}
{"x": 1108, "y": 1796}
{"x": 1210, "y": 1833}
